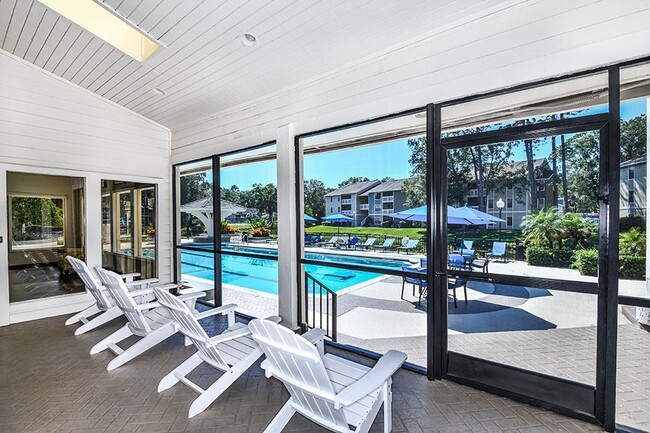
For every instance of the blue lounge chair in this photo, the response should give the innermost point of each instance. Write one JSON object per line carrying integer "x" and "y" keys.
{"x": 498, "y": 250}
{"x": 315, "y": 240}
{"x": 457, "y": 261}
{"x": 367, "y": 244}
{"x": 410, "y": 245}
{"x": 308, "y": 239}
{"x": 333, "y": 241}
{"x": 351, "y": 243}
{"x": 388, "y": 243}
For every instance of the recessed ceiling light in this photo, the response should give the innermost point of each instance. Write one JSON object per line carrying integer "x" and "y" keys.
{"x": 248, "y": 39}
{"x": 158, "y": 91}
{"x": 106, "y": 25}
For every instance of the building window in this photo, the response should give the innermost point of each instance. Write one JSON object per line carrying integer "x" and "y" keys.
{"x": 541, "y": 203}
{"x": 509, "y": 203}
{"x": 331, "y": 209}
{"x": 388, "y": 194}
{"x": 630, "y": 173}
{"x": 490, "y": 203}
{"x": 541, "y": 186}
{"x": 630, "y": 196}
{"x": 509, "y": 221}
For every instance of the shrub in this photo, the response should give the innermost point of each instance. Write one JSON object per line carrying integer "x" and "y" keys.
{"x": 551, "y": 257}
{"x": 632, "y": 242}
{"x": 629, "y": 222}
{"x": 260, "y": 232}
{"x": 631, "y": 267}
{"x": 227, "y": 229}
{"x": 586, "y": 262}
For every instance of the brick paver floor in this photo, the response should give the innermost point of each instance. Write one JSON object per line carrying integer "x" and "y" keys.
{"x": 50, "y": 383}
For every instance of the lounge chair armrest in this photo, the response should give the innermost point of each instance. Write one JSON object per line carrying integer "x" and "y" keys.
{"x": 129, "y": 277}
{"x": 274, "y": 319}
{"x": 314, "y": 335}
{"x": 190, "y": 296}
{"x": 139, "y": 283}
{"x": 380, "y": 373}
{"x": 167, "y": 286}
{"x": 147, "y": 306}
{"x": 227, "y": 336}
{"x": 141, "y": 292}
{"x": 219, "y": 310}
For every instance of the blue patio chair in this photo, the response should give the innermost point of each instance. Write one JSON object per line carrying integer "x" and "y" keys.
{"x": 308, "y": 239}
{"x": 369, "y": 243}
{"x": 457, "y": 261}
{"x": 468, "y": 254}
{"x": 465, "y": 246}
{"x": 498, "y": 250}
{"x": 410, "y": 245}
{"x": 452, "y": 284}
{"x": 418, "y": 278}
{"x": 388, "y": 243}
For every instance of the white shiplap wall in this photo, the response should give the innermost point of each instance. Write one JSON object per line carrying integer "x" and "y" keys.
{"x": 51, "y": 126}
{"x": 523, "y": 42}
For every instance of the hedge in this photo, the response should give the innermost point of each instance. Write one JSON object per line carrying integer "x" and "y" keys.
{"x": 630, "y": 267}
{"x": 586, "y": 262}
{"x": 551, "y": 257}
{"x": 626, "y": 223}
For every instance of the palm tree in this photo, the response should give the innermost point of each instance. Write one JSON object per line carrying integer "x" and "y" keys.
{"x": 633, "y": 242}
{"x": 542, "y": 227}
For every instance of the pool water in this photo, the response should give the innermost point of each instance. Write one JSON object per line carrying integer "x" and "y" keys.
{"x": 262, "y": 274}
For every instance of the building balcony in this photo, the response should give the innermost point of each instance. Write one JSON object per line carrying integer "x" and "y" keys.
{"x": 363, "y": 207}
{"x": 387, "y": 199}
{"x": 346, "y": 201}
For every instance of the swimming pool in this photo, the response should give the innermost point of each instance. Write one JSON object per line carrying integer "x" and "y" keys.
{"x": 262, "y": 274}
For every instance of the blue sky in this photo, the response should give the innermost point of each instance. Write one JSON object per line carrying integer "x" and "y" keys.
{"x": 373, "y": 162}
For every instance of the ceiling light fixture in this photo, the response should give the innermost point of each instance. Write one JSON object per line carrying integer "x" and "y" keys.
{"x": 158, "y": 91}
{"x": 106, "y": 25}
{"x": 248, "y": 40}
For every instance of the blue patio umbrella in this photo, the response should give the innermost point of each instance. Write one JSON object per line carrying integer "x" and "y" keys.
{"x": 477, "y": 214}
{"x": 454, "y": 216}
{"x": 310, "y": 219}
{"x": 338, "y": 218}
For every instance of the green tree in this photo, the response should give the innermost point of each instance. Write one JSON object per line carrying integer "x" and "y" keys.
{"x": 232, "y": 194}
{"x": 353, "y": 179}
{"x": 542, "y": 227}
{"x": 31, "y": 215}
{"x": 265, "y": 199}
{"x": 583, "y": 175}
{"x": 314, "y": 197}
{"x": 633, "y": 137}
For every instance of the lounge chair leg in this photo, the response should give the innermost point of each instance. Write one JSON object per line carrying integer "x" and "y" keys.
{"x": 93, "y": 309}
{"x": 222, "y": 384}
{"x": 402, "y": 297}
{"x": 455, "y": 299}
{"x": 281, "y": 419}
{"x": 388, "y": 406}
{"x": 181, "y": 371}
{"x": 103, "y": 318}
{"x": 117, "y": 336}
{"x": 146, "y": 343}
{"x": 465, "y": 290}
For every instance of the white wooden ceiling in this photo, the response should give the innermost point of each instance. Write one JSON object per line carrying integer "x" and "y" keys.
{"x": 204, "y": 68}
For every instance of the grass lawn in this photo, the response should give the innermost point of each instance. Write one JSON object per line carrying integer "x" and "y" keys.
{"x": 416, "y": 233}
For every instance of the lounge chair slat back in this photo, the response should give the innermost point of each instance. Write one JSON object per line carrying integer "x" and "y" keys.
{"x": 498, "y": 248}
{"x": 191, "y": 328}
{"x": 104, "y": 301}
{"x": 120, "y": 293}
{"x": 298, "y": 364}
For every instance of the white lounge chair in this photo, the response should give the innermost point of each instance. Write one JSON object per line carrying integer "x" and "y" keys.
{"x": 105, "y": 309}
{"x": 232, "y": 352}
{"x": 336, "y": 393}
{"x": 151, "y": 321}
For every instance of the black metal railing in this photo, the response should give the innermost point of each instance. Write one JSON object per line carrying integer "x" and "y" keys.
{"x": 321, "y": 306}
